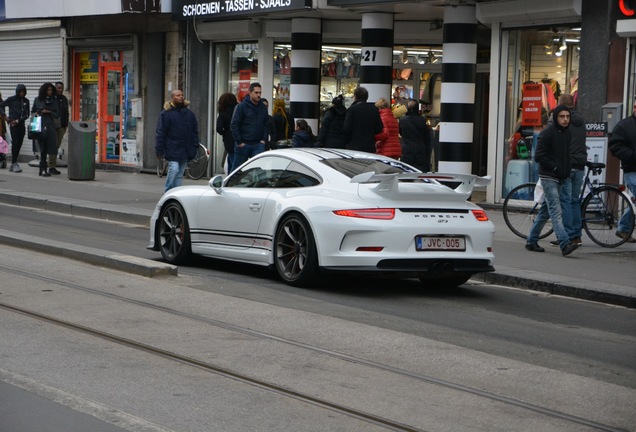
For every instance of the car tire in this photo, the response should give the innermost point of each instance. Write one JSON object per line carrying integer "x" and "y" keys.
{"x": 295, "y": 255}
{"x": 448, "y": 282}
{"x": 173, "y": 234}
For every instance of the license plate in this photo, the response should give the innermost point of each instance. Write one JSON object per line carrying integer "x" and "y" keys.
{"x": 440, "y": 243}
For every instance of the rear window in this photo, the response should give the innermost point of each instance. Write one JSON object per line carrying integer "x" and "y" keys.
{"x": 351, "y": 167}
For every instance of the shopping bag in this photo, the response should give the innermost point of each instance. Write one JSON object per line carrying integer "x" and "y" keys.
{"x": 34, "y": 131}
{"x": 538, "y": 192}
{"x": 4, "y": 146}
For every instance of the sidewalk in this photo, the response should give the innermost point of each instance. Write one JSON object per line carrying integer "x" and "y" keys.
{"x": 591, "y": 272}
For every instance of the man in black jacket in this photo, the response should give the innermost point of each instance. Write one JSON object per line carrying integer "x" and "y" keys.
{"x": 553, "y": 157}
{"x": 62, "y": 103}
{"x": 19, "y": 109}
{"x": 362, "y": 123}
{"x": 622, "y": 144}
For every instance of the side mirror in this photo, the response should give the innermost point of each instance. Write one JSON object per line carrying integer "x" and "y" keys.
{"x": 216, "y": 183}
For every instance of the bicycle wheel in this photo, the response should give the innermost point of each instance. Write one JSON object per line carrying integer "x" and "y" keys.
{"x": 520, "y": 210}
{"x": 161, "y": 167}
{"x": 198, "y": 166}
{"x": 603, "y": 207}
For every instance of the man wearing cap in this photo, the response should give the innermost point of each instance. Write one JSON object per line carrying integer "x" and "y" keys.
{"x": 553, "y": 157}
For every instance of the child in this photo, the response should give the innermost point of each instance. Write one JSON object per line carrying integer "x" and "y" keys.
{"x": 303, "y": 137}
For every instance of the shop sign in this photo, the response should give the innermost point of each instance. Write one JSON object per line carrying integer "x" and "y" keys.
{"x": 188, "y": 9}
{"x": 89, "y": 67}
{"x": 531, "y": 105}
{"x": 627, "y": 7}
{"x": 245, "y": 77}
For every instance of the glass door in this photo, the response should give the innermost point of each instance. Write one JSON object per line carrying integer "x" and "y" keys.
{"x": 110, "y": 113}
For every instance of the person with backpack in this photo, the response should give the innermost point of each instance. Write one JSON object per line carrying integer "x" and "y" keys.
{"x": 331, "y": 134}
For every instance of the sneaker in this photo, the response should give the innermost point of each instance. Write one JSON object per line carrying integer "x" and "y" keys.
{"x": 54, "y": 171}
{"x": 11, "y": 167}
{"x": 554, "y": 243}
{"x": 16, "y": 168}
{"x": 569, "y": 248}
{"x": 625, "y": 236}
{"x": 534, "y": 247}
{"x": 578, "y": 241}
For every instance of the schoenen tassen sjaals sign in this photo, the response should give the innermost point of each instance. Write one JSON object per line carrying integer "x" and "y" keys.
{"x": 189, "y": 9}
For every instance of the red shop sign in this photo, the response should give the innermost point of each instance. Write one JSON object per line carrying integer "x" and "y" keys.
{"x": 531, "y": 104}
{"x": 627, "y": 7}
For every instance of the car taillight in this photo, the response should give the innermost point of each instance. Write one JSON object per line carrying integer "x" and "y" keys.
{"x": 378, "y": 213}
{"x": 480, "y": 215}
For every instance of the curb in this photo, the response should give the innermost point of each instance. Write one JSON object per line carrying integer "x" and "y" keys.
{"x": 98, "y": 257}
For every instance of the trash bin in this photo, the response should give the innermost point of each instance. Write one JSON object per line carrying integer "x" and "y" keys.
{"x": 81, "y": 150}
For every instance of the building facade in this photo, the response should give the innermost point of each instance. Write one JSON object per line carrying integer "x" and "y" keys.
{"x": 486, "y": 73}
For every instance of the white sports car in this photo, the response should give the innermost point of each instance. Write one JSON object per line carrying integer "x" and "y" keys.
{"x": 305, "y": 210}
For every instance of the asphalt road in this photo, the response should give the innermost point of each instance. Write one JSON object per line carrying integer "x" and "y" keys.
{"x": 573, "y": 336}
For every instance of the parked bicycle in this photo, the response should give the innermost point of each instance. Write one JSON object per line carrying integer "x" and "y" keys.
{"x": 602, "y": 206}
{"x": 196, "y": 168}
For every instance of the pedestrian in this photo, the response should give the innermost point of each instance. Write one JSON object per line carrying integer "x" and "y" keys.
{"x": 387, "y": 142}
{"x": 416, "y": 138}
{"x": 271, "y": 129}
{"x": 622, "y": 144}
{"x": 4, "y": 146}
{"x": 571, "y": 189}
{"x": 362, "y": 123}
{"x": 284, "y": 122}
{"x": 250, "y": 126}
{"x": 61, "y": 125}
{"x": 177, "y": 139}
{"x": 18, "y": 114}
{"x": 225, "y": 107}
{"x": 45, "y": 106}
{"x": 553, "y": 157}
{"x": 331, "y": 133}
{"x": 303, "y": 136}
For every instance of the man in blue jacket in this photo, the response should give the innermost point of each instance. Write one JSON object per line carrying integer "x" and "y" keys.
{"x": 177, "y": 138}
{"x": 249, "y": 126}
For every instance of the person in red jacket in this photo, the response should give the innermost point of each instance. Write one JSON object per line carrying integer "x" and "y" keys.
{"x": 387, "y": 142}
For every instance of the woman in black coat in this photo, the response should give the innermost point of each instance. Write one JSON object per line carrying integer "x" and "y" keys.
{"x": 331, "y": 134}
{"x": 225, "y": 107}
{"x": 416, "y": 138}
{"x": 46, "y": 106}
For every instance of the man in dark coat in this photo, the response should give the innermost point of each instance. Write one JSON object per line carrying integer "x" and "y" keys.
{"x": 250, "y": 126}
{"x": 19, "y": 108}
{"x": 362, "y": 123}
{"x": 177, "y": 138}
{"x": 416, "y": 138}
{"x": 553, "y": 157}
{"x": 62, "y": 103}
{"x": 622, "y": 144}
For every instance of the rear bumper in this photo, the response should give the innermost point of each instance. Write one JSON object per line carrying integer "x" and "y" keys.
{"x": 428, "y": 266}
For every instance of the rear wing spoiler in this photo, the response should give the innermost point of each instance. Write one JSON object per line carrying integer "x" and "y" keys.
{"x": 461, "y": 183}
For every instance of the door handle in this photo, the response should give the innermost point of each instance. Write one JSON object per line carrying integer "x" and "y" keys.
{"x": 255, "y": 206}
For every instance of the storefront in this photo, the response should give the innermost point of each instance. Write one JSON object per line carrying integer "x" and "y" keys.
{"x": 104, "y": 84}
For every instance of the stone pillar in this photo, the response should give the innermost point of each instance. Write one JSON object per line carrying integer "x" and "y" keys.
{"x": 457, "y": 113}
{"x": 304, "y": 91}
{"x": 376, "y": 65}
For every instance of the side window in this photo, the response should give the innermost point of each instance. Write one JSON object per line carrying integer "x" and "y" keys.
{"x": 263, "y": 172}
{"x": 297, "y": 175}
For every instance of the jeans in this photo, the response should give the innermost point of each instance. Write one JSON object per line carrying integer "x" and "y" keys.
{"x": 550, "y": 209}
{"x": 629, "y": 178}
{"x": 17, "y": 138}
{"x": 241, "y": 154}
{"x": 570, "y": 203}
{"x": 175, "y": 174}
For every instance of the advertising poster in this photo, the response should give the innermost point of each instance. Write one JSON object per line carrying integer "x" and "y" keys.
{"x": 129, "y": 153}
{"x": 596, "y": 143}
{"x": 244, "y": 84}
{"x": 531, "y": 105}
{"x": 89, "y": 67}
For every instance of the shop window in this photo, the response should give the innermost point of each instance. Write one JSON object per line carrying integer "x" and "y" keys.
{"x": 542, "y": 64}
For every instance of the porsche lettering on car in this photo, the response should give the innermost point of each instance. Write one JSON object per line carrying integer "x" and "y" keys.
{"x": 302, "y": 211}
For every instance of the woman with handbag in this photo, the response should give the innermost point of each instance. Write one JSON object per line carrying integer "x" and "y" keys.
{"x": 45, "y": 106}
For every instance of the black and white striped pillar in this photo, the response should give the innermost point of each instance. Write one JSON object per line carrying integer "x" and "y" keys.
{"x": 457, "y": 113}
{"x": 304, "y": 91}
{"x": 376, "y": 65}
